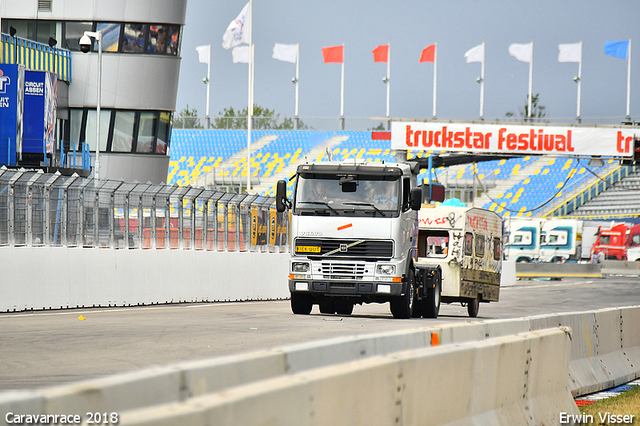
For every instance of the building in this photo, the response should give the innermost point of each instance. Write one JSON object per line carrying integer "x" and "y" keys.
{"x": 141, "y": 63}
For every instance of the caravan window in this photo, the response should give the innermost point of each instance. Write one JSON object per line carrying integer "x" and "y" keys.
{"x": 436, "y": 244}
{"x": 496, "y": 249}
{"x": 479, "y": 245}
{"x": 468, "y": 244}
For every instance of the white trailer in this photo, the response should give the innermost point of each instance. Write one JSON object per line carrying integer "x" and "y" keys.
{"x": 562, "y": 240}
{"x": 465, "y": 242}
{"x": 522, "y": 239}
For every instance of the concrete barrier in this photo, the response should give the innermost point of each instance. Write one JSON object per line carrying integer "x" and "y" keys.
{"x": 558, "y": 270}
{"x": 575, "y": 270}
{"x": 36, "y": 278}
{"x": 605, "y": 347}
{"x": 419, "y": 387}
{"x": 604, "y": 351}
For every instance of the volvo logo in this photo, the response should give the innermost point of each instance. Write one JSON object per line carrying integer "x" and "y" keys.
{"x": 343, "y": 248}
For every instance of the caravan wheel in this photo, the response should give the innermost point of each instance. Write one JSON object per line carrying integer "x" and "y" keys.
{"x": 473, "y": 306}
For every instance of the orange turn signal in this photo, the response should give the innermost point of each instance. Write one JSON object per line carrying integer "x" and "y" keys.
{"x": 397, "y": 279}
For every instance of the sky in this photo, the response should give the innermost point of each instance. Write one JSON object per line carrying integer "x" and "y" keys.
{"x": 409, "y": 26}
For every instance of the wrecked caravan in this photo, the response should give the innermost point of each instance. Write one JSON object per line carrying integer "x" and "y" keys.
{"x": 466, "y": 242}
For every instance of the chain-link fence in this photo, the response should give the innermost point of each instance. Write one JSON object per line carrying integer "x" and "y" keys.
{"x": 39, "y": 209}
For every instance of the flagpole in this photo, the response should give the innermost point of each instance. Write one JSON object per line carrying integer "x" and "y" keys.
{"x": 435, "y": 78}
{"x": 629, "y": 81}
{"x": 250, "y": 96}
{"x": 388, "y": 82}
{"x": 482, "y": 84}
{"x": 342, "y": 93}
{"x": 208, "y": 120}
{"x": 297, "y": 82}
{"x": 579, "y": 82}
{"x": 530, "y": 79}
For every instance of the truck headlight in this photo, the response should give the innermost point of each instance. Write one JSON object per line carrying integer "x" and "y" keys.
{"x": 386, "y": 270}
{"x": 300, "y": 267}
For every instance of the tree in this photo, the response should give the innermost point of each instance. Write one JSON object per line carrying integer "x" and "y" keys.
{"x": 187, "y": 119}
{"x": 538, "y": 112}
{"x": 263, "y": 118}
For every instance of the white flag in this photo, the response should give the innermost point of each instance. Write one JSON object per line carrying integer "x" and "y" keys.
{"x": 475, "y": 54}
{"x": 235, "y": 33}
{"x": 522, "y": 52}
{"x": 286, "y": 52}
{"x": 571, "y": 52}
{"x": 204, "y": 53}
{"x": 240, "y": 54}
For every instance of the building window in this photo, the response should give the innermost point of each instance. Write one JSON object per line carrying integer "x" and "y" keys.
{"x": 133, "y": 40}
{"x": 110, "y": 37}
{"x": 146, "y": 132}
{"x": 164, "y": 130}
{"x": 90, "y": 129}
{"x": 123, "y": 131}
{"x": 73, "y": 32}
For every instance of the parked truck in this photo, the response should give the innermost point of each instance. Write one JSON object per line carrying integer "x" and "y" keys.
{"x": 633, "y": 244}
{"x": 522, "y": 239}
{"x": 465, "y": 242}
{"x": 612, "y": 242}
{"x": 354, "y": 240}
{"x": 561, "y": 240}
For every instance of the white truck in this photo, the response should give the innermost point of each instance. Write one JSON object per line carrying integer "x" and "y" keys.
{"x": 466, "y": 243}
{"x": 522, "y": 239}
{"x": 354, "y": 240}
{"x": 561, "y": 240}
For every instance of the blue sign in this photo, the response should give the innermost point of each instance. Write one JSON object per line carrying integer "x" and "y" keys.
{"x": 40, "y": 89}
{"x": 11, "y": 103}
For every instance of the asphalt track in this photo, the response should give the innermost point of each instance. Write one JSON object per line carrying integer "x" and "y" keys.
{"x": 46, "y": 348}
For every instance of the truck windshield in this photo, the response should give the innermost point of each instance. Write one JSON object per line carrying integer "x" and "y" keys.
{"x": 350, "y": 195}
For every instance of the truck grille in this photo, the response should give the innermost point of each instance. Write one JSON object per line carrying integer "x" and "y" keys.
{"x": 342, "y": 271}
{"x": 345, "y": 248}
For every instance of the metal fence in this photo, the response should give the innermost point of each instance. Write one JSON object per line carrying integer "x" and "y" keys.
{"x": 40, "y": 209}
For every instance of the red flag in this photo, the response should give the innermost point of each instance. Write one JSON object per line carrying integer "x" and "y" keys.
{"x": 333, "y": 54}
{"x": 381, "y": 53}
{"x": 428, "y": 54}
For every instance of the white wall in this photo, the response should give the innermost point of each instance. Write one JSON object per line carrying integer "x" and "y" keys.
{"x": 60, "y": 277}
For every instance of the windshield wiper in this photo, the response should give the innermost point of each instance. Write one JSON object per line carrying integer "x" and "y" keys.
{"x": 366, "y": 204}
{"x": 322, "y": 203}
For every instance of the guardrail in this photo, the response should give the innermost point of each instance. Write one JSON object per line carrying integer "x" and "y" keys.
{"x": 523, "y": 371}
{"x": 39, "y": 210}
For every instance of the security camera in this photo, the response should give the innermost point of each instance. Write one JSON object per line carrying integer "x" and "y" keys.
{"x": 85, "y": 43}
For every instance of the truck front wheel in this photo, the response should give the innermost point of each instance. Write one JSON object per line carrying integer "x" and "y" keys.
{"x": 301, "y": 304}
{"x": 402, "y": 306}
{"x": 431, "y": 304}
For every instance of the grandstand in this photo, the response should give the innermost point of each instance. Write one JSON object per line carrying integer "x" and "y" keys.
{"x": 520, "y": 186}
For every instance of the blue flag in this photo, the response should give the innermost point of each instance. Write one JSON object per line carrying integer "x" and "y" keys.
{"x": 619, "y": 49}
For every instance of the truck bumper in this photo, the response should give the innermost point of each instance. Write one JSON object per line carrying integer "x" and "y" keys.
{"x": 347, "y": 288}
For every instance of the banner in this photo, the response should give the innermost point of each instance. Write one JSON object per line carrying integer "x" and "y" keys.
{"x": 519, "y": 139}
{"x": 40, "y": 95}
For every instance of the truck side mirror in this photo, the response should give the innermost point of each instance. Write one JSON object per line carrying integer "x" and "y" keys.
{"x": 281, "y": 196}
{"x": 416, "y": 198}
